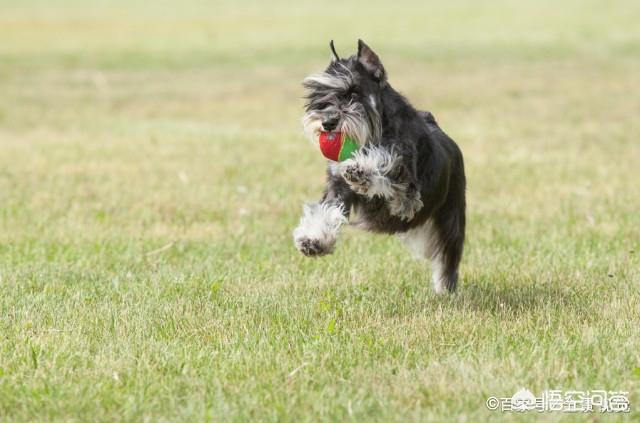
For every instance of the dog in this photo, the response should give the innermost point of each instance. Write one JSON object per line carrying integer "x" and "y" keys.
{"x": 407, "y": 178}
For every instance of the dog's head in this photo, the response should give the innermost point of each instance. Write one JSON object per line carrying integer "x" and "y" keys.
{"x": 346, "y": 97}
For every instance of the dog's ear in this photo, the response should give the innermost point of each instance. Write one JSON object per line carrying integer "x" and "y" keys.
{"x": 371, "y": 62}
{"x": 334, "y": 55}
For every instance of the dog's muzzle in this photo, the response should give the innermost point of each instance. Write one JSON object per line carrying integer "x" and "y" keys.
{"x": 330, "y": 124}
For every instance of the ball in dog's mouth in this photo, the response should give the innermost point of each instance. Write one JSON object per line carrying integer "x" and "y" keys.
{"x": 337, "y": 146}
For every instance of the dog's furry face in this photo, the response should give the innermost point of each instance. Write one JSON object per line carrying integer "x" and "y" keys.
{"x": 346, "y": 97}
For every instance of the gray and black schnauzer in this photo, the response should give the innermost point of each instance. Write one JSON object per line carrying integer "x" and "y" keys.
{"x": 406, "y": 179}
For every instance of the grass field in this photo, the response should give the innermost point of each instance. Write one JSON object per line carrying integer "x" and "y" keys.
{"x": 152, "y": 169}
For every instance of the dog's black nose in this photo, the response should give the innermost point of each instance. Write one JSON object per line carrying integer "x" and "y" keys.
{"x": 330, "y": 124}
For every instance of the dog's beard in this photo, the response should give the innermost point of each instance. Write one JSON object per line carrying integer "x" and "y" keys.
{"x": 360, "y": 123}
{"x": 354, "y": 122}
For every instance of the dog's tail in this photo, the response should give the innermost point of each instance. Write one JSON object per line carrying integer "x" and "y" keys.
{"x": 428, "y": 117}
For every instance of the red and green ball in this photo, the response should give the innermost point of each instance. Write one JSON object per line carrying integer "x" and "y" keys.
{"x": 337, "y": 146}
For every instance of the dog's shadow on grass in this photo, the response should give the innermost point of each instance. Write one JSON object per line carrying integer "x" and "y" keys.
{"x": 515, "y": 298}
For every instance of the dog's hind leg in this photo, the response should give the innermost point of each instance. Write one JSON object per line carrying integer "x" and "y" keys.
{"x": 446, "y": 254}
{"x": 439, "y": 240}
{"x": 424, "y": 243}
{"x": 449, "y": 223}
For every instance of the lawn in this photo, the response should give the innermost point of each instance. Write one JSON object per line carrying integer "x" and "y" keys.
{"x": 153, "y": 167}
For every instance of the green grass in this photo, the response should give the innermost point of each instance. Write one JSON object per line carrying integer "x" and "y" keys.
{"x": 152, "y": 169}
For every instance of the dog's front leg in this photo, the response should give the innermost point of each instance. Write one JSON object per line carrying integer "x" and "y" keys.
{"x": 320, "y": 224}
{"x": 376, "y": 172}
{"x": 317, "y": 232}
{"x": 407, "y": 200}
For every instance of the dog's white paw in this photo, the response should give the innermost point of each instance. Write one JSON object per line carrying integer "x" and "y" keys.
{"x": 359, "y": 179}
{"x": 318, "y": 229}
{"x": 314, "y": 247}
